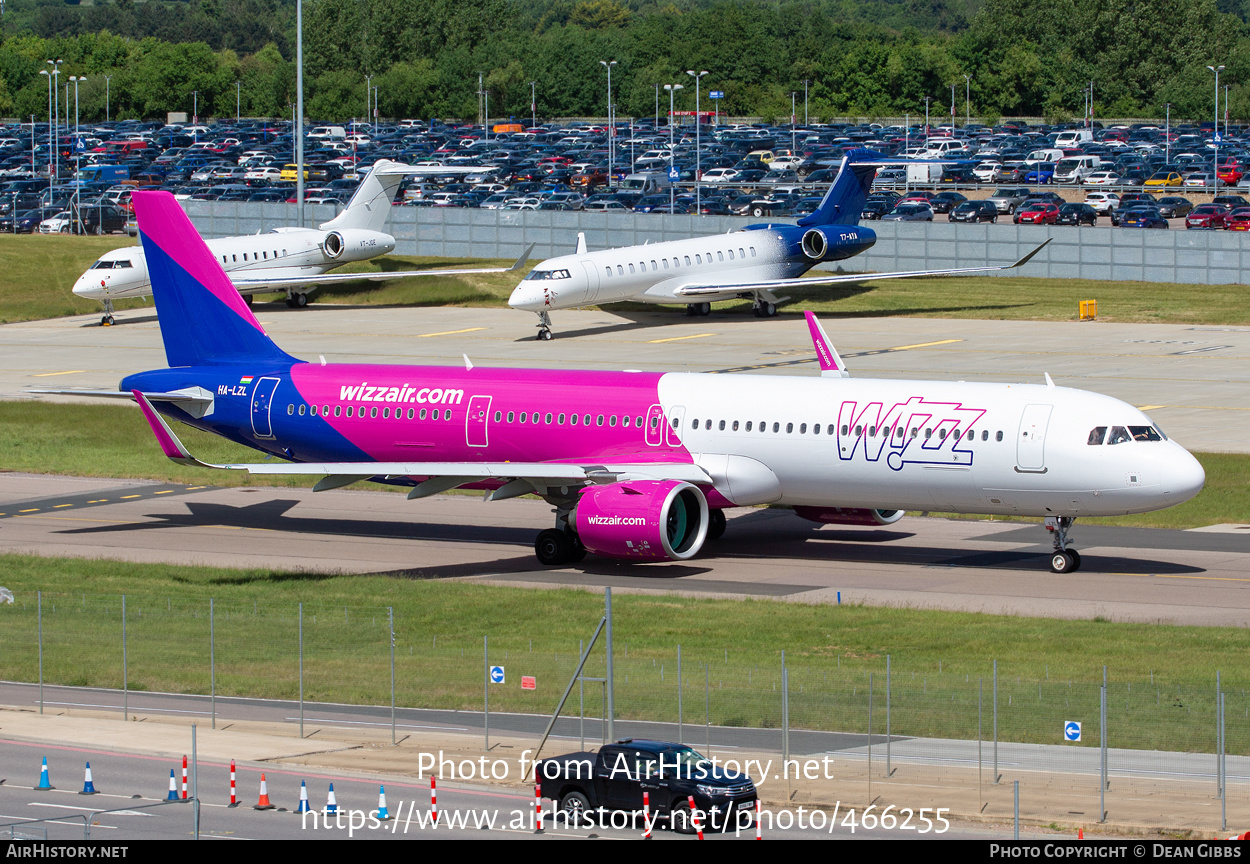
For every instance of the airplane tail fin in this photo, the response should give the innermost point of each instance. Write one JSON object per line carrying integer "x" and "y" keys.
{"x": 844, "y": 202}
{"x": 371, "y": 204}
{"x": 203, "y": 318}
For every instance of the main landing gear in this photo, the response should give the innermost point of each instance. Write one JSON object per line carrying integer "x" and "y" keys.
{"x": 555, "y": 547}
{"x": 698, "y": 310}
{"x": 107, "y": 320}
{"x": 1063, "y": 559}
{"x": 763, "y": 309}
{"x": 296, "y": 299}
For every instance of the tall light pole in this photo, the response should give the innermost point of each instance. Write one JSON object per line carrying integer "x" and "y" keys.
{"x": 299, "y": 109}
{"x": 77, "y": 221}
{"x": 952, "y": 109}
{"x": 927, "y": 100}
{"x": 1167, "y": 134}
{"x": 51, "y": 137}
{"x": 533, "y": 105}
{"x": 968, "y": 100}
{"x": 698, "y": 159}
{"x": 657, "y": 106}
{"x": 107, "y": 78}
{"x": 672, "y": 191}
{"x": 805, "y": 120}
{"x": 195, "y": 116}
{"x": 56, "y": 124}
{"x": 793, "y": 145}
{"x": 238, "y": 101}
{"x": 611, "y": 127}
{"x": 1215, "y": 139}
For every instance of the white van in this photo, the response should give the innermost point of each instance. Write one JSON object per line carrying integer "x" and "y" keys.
{"x": 647, "y": 182}
{"x": 942, "y": 146}
{"x": 1073, "y": 137}
{"x": 1074, "y": 169}
{"x": 1044, "y": 155}
{"x": 328, "y": 132}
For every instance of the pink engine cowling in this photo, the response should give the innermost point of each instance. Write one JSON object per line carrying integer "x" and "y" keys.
{"x": 849, "y": 515}
{"x": 643, "y": 519}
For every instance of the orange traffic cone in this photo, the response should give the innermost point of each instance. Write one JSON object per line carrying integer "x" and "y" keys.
{"x": 263, "y": 803}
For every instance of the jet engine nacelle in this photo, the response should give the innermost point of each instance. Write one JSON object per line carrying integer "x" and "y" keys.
{"x": 815, "y": 245}
{"x": 849, "y": 515}
{"x": 356, "y": 244}
{"x": 643, "y": 519}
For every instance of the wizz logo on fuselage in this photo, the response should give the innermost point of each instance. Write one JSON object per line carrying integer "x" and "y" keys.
{"x": 915, "y": 431}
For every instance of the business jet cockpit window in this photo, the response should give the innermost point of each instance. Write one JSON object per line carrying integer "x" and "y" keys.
{"x": 548, "y": 274}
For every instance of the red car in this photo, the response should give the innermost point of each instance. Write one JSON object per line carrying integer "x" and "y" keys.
{"x": 1231, "y": 170}
{"x": 1207, "y": 216}
{"x": 1239, "y": 219}
{"x": 1037, "y": 214}
{"x": 924, "y": 197}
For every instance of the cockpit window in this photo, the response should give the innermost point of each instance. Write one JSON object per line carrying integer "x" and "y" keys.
{"x": 548, "y": 274}
{"x": 102, "y": 265}
{"x": 1096, "y": 435}
{"x": 1145, "y": 433}
{"x": 1118, "y": 435}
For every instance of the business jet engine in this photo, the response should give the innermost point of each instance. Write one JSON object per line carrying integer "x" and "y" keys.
{"x": 849, "y": 515}
{"x": 643, "y": 519}
{"x": 815, "y": 244}
{"x": 356, "y": 244}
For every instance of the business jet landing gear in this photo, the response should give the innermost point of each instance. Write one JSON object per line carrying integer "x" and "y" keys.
{"x": 1063, "y": 559}
{"x": 249, "y": 299}
{"x": 555, "y": 547}
{"x": 763, "y": 308}
{"x": 107, "y": 320}
{"x": 296, "y": 299}
{"x": 544, "y": 327}
{"x": 698, "y": 310}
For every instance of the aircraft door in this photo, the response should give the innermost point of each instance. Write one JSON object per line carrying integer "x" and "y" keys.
{"x": 655, "y": 426}
{"x": 672, "y": 432}
{"x": 592, "y": 279}
{"x": 475, "y": 421}
{"x": 262, "y": 405}
{"x": 1031, "y": 442}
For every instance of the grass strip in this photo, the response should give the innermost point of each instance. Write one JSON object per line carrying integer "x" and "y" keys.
{"x": 1162, "y": 677}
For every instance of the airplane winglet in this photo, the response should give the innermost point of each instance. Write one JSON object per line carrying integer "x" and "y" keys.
{"x": 525, "y": 256}
{"x": 831, "y": 365}
{"x": 172, "y": 447}
{"x": 1025, "y": 259}
{"x": 581, "y": 243}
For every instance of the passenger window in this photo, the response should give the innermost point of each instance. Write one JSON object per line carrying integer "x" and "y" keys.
{"x": 421, "y": 416}
{"x": 665, "y": 263}
{"x": 608, "y": 270}
{"x": 721, "y": 426}
{"x": 985, "y": 434}
{"x": 720, "y": 256}
{"x": 915, "y": 431}
{"x": 776, "y": 427}
{"x": 971, "y": 435}
{"x": 586, "y": 420}
{"x": 872, "y": 431}
{"x": 631, "y": 268}
{"x": 547, "y": 420}
{"x": 928, "y": 433}
{"x": 410, "y": 413}
{"x": 998, "y": 436}
{"x": 373, "y": 413}
{"x": 654, "y": 265}
{"x": 731, "y": 254}
{"x": 707, "y": 424}
{"x": 446, "y": 414}
{"x": 694, "y": 425}
{"x": 1118, "y": 435}
{"x": 572, "y": 419}
{"x": 386, "y": 413}
{"x": 752, "y": 251}
{"x": 350, "y": 410}
{"x": 859, "y": 430}
{"x": 301, "y": 410}
{"x": 624, "y": 421}
{"x": 698, "y": 259}
{"x": 620, "y": 271}
{"x": 1096, "y": 435}
{"x": 741, "y": 253}
{"x": 511, "y": 415}
{"x": 638, "y": 421}
{"x": 560, "y": 420}
{"x": 612, "y": 420}
{"x": 789, "y": 428}
{"x": 599, "y": 420}
{"x": 816, "y": 429}
{"x": 942, "y": 434}
{"x": 337, "y": 410}
{"x": 802, "y": 428}
{"x": 290, "y": 409}
{"x": 522, "y": 417}
{"x": 687, "y": 260}
{"x": 748, "y": 425}
{"x": 498, "y": 415}
{"x": 735, "y": 426}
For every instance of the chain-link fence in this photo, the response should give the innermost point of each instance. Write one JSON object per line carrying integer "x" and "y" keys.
{"x": 1149, "y": 751}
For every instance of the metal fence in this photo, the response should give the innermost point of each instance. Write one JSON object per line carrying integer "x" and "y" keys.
{"x": 1150, "y": 751}
{"x": 1187, "y": 257}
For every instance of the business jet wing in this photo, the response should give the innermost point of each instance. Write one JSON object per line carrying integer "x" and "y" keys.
{"x": 523, "y": 477}
{"x": 696, "y": 290}
{"x": 254, "y": 286}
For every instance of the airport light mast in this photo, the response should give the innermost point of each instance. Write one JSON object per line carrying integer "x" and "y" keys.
{"x": 672, "y": 190}
{"x": 698, "y": 163}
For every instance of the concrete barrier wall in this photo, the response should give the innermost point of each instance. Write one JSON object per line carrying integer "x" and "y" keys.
{"x": 1195, "y": 257}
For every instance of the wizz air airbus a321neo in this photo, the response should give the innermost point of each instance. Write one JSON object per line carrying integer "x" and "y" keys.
{"x": 642, "y": 465}
{"x": 752, "y": 264}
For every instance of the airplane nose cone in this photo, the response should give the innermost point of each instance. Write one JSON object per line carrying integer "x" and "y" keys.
{"x": 526, "y": 297}
{"x": 85, "y": 287}
{"x": 1183, "y": 476}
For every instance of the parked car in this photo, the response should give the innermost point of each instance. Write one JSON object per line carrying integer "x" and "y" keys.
{"x": 1207, "y": 217}
{"x": 1008, "y": 198}
{"x": 944, "y": 202}
{"x": 909, "y": 211}
{"x": 974, "y": 211}
{"x": 1102, "y": 202}
{"x": 1077, "y": 214}
{"x": 1239, "y": 219}
{"x": 1175, "y": 207}
{"x": 1036, "y": 213}
{"x": 1165, "y": 178}
{"x": 1144, "y": 216}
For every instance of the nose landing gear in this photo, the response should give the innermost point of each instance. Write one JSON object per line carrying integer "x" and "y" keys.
{"x": 1063, "y": 559}
{"x": 107, "y": 320}
{"x": 544, "y": 327}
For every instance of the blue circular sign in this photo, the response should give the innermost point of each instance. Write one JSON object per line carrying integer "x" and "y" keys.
{"x": 1072, "y": 731}
{"x": 496, "y": 674}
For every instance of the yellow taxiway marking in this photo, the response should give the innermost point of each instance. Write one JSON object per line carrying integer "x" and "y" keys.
{"x": 51, "y": 374}
{"x": 925, "y": 344}
{"x": 124, "y": 497}
{"x": 59, "y": 506}
{"x": 450, "y": 332}
{"x": 98, "y": 501}
{"x": 163, "y": 492}
{"x": 1207, "y": 578}
{"x": 1149, "y": 407}
{"x": 32, "y": 510}
{"x": 678, "y": 338}
{"x": 197, "y": 487}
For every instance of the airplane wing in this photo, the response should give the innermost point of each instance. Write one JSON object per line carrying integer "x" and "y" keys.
{"x": 254, "y": 286}
{"x": 833, "y": 279}
{"x": 523, "y": 477}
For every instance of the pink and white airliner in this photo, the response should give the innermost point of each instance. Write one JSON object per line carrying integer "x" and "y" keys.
{"x": 641, "y": 465}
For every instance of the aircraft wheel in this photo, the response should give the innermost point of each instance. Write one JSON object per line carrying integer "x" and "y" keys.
{"x": 692, "y": 309}
{"x": 715, "y": 524}
{"x": 290, "y": 302}
{"x": 770, "y": 310}
{"x": 544, "y": 335}
{"x": 1076, "y": 559}
{"x": 301, "y": 300}
{"x": 553, "y": 547}
{"x": 705, "y": 309}
{"x": 106, "y": 321}
{"x": 249, "y": 299}
{"x": 1062, "y": 562}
